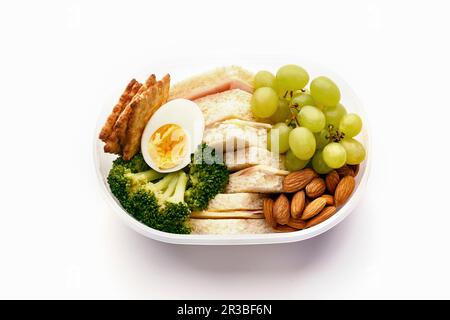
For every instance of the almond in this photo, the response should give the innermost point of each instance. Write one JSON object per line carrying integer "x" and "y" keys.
{"x": 297, "y": 180}
{"x": 281, "y": 209}
{"x": 332, "y": 181}
{"x": 284, "y": 228}
{"x": 297, "y": 223}
{"x": 322, "y": 216}
{"x": 314, "y": 208}
{"x": 344, "y": 190}
{"x": 307, "y": 201}
{"x": 298, "y": 204}
{"x": 315, "y": 188}
{"x": 355, "y": 168}
{"x": 345, "y": 171}
{"x": 329, "y": 199}
{"x": 268, "y": 211}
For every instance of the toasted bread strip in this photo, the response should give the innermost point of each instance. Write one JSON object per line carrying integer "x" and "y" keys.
{"x": 115, "y": 140}
{"x": 129, "y": 92}
{"x": 151, "y": 80}
{"x": 120, "y": 128}
{"x": 112, "y": 144}
{"x": 141, "y": 109}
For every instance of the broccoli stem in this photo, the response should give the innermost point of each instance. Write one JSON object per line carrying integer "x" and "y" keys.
{"x": 163, "y": 183}
{"x": 178, "y": 195}
{"x": 170, "y": 188}
{"x": 143, "y": 177}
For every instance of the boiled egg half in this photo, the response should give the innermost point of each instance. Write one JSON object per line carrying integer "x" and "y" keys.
{"x": 172, "y": 134}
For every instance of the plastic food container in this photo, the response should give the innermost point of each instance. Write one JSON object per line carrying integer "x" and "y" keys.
{"x": 185, "y": 67}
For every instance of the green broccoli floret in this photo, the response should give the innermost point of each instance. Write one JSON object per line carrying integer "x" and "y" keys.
{"x": 165, "y": 202}
{"x": 175, "y": 209}
{"x": 142, "y": 179}
{"x": 118, "y": 183}
{"x": 161, "y": 205}
{"x": 136, "y": 164}
{"x": 207, "y": 178}
{"x": 158, "y": 204}
{"x": 123, "y": 179}
{"x": 117, "y": 180}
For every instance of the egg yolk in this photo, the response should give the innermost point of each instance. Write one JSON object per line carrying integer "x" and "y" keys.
{"x": 167, "y": 146}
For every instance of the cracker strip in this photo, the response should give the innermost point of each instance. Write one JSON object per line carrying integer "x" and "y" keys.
{"x": 141, "y": 109}
{"x": 129, "y": 92}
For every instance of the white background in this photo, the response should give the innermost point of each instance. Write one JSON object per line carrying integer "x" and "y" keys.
{"x": 60, "y": 60}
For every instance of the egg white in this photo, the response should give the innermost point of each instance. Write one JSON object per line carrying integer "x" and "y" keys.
{"x": 183, "y": 113}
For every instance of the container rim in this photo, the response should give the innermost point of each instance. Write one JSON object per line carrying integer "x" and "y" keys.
{"x": 244, "y": 239}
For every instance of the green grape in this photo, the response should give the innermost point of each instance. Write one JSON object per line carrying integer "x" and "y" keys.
{"x": 290, "y": 78}
{"x": 298, "y": 93}
{"x": 293, "y": 163}
{"x": 325, "y": 92}
{"x": 322, "y": 138}
{"x": 311, "y": 118}
{"x": 264, "y": 102}
{"x": 264, "y": 79}
{"x": 279, "y": 138}
{"x": 334, "y": 155}
{"x": 302, "y": 143}
{"x": 283, "y": 112}
{"x": 319, "y": 164}
{"x": 302, "y": 100}
{"x": 350, "y": 125}
{"x": 355, "y": 151}
{"x": 334, "y": 115}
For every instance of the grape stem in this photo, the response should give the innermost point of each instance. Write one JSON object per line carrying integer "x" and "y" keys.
{"x": 291, "y": 93}
{"x": 288, "y": 92}
{"x": 293, "y": 122}
{"x": 334, "y": 135}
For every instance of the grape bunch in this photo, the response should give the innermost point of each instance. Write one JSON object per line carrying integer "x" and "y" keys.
{"x": 311, "y": 126}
